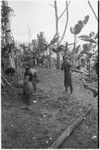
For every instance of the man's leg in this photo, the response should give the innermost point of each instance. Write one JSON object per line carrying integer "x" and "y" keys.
{"x": 66, "y": 85}
{"x": 34, "y": 85}
{"x": 66, "y": 88}
{"x": 71, "y": 87}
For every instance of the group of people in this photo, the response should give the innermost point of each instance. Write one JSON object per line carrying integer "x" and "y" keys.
{"x": 31, "y": 79}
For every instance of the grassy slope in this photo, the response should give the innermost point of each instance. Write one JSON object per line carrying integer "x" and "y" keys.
{"x": 51, "y": 111}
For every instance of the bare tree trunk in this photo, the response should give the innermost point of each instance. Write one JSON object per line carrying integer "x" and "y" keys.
{"x": 7, "y": 25}
{"x": 66, "y": 49}
{"x": 7, "y": 34}
{"x": 58, "y": 60}
{"x": 56, "y": 16}
{"x": 49, "y": 58}
{"x": 57, "y": 19}
{"x": 74, "y": 42}
{"x": 74, "y": 49}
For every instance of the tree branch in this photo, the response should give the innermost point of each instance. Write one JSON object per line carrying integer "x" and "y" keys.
{"x": 65, "y": 24}
{"x": 56, "y": 16}
{"x": 62, "y": 14}
{"x": 92, "y": 10}
{"x": 63, "y": 11}
{"x": 73, "y": 43}
{"x": 69, "y": 2}
{"x": 51, "y": 5}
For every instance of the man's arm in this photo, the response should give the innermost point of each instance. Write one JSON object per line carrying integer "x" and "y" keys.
{"x": 78, "y": 71}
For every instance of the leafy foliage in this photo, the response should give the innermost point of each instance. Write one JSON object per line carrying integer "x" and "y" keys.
{"x": 76, "y": 50}
{"x": 85, "y": 19}
{"x": 86, "y": 50}
{"x": 54, "y": 40}
{"x": 59, "y": 49}
{"x": 89, "y": 38}
{"x": 79, "y": 26}
{"x": 41, "y": 42}
{"x": 89, "y": 49}
{"x": 84, "y": 36}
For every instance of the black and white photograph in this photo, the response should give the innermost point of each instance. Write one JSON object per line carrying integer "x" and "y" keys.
{"x": 50, "y": 74}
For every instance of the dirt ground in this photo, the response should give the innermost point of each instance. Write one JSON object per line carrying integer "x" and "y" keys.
{"x": 52, "y": 110}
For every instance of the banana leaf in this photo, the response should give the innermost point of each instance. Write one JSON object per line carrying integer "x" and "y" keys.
{"x": 89, "y": 40}
{"x": 76, "y": 50}
{"x": 79, "y": 26}
{"x": 84, "y": 36}
{"x": 86, "y": 19}
{"x": 59, "y": 49}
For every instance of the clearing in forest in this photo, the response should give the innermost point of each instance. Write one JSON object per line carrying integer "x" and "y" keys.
{"x": 51, "y": 112}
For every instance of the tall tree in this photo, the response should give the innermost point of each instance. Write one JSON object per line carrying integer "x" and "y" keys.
{"x": 56, "y": 16}
{"x": 5, "y": 21}
{"x": 6, "y": 40}
{"x": 57, "y": 21}
{"x": 41, "y": 43}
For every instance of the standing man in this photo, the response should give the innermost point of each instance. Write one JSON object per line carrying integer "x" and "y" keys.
{"x": 66, "y": 66}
